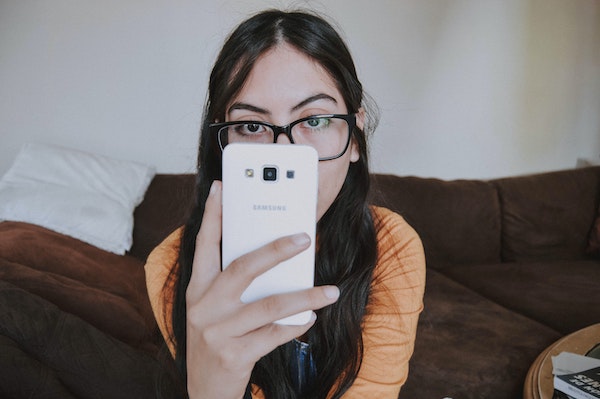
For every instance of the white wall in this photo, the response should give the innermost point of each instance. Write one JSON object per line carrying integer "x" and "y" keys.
{"x": 467, "y": 88}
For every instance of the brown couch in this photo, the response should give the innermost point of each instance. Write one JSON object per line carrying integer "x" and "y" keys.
{"x": 508, "y": 274}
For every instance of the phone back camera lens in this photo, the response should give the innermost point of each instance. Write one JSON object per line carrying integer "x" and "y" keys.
{"x": 269, "y": 173}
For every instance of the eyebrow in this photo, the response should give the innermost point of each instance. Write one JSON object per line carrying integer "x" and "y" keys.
{"x": 247, "y": 107}
{"x": 316, "y": 97}
{"x": 303, "y": 103}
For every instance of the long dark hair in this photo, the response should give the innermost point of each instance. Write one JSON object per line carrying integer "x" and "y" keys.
{"x": 346, "y": 241}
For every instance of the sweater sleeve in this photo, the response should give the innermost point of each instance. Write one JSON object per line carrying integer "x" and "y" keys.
{"x": 395, "y": 303}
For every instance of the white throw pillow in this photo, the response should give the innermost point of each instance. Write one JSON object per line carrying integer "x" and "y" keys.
{"x": 82, "y": 195}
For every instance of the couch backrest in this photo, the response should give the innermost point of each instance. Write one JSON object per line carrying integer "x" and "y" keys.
{"x": 548, "y": 215}
{"x": 164, "y": 208}
{"x": 458, "y": 221}
{"x": 541, "y": 216}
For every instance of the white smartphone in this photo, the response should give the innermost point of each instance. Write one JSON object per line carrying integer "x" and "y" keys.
{"x": 270, "y": 191}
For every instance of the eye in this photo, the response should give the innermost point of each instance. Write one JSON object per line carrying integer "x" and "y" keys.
{"x": 317, "y": 123}
{"x": 253, "y": 127}
{"x": 249, "y": 128}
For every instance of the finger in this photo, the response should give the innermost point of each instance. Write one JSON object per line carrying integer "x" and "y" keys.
{"x": 207, "y": 256}
{"x": 242, "y": 271}
{"x": 263, "y": 340}
{"x": 268, "y": 310}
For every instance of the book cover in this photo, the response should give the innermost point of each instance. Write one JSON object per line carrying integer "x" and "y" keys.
{"x": 581, "y": 385}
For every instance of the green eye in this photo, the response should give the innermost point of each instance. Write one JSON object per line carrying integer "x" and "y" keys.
{"x": 318, "y": 123}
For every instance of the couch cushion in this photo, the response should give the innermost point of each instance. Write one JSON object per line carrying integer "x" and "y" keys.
{"x": 458, "y": 221}
{"x": 561, "y": 294}
{"x": 469, "y": 347}
{"x": 548, "y": 216}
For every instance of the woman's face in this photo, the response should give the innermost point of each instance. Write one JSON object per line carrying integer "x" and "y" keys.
{"x": 285, "y": 85}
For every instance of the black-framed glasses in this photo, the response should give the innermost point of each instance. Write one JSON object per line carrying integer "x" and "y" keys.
{"x": 329, "y": 134}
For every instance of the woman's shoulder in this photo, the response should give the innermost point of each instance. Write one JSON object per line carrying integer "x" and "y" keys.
{"x": 167, "y": 250}
{"x": 391, "y": 226}
{"x": 158, "y": 268}
{"x": 399, "y": 247}
{"x": 160, "y": 262}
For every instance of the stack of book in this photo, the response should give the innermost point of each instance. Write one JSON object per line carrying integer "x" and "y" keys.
{"x": 576, "y": 376}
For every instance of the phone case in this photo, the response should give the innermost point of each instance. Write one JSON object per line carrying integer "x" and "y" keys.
{"x": 270, "y": 191}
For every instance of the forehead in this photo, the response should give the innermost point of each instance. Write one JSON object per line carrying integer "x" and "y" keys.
{"x": 283, "y": 77}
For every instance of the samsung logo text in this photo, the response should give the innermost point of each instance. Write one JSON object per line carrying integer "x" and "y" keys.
{"x": 272, "y": 208}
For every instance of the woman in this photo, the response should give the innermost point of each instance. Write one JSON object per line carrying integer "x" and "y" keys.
{"x": 279, "y": 67}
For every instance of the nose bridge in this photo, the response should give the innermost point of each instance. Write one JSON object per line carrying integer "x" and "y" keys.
{"x": 285, "y": 130}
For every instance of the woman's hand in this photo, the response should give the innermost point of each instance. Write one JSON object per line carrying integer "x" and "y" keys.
{"x": 226, "y": 337}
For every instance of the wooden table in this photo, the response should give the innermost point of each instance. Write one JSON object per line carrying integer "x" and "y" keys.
{"x": 539, "y": 382}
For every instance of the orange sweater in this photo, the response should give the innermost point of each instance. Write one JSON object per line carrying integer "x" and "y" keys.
{"x": 390, "y": 324}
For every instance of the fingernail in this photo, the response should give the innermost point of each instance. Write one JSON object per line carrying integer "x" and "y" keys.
{"x": 313, "y": 318}
{"x": 332, "y": 292}
{"x": 213, "y": 188}
{"x": 301, "y": 239}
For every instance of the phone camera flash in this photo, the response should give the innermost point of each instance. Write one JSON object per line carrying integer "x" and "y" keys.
{"x": 290, "y": 174}
{"x": 249, "y": 172}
